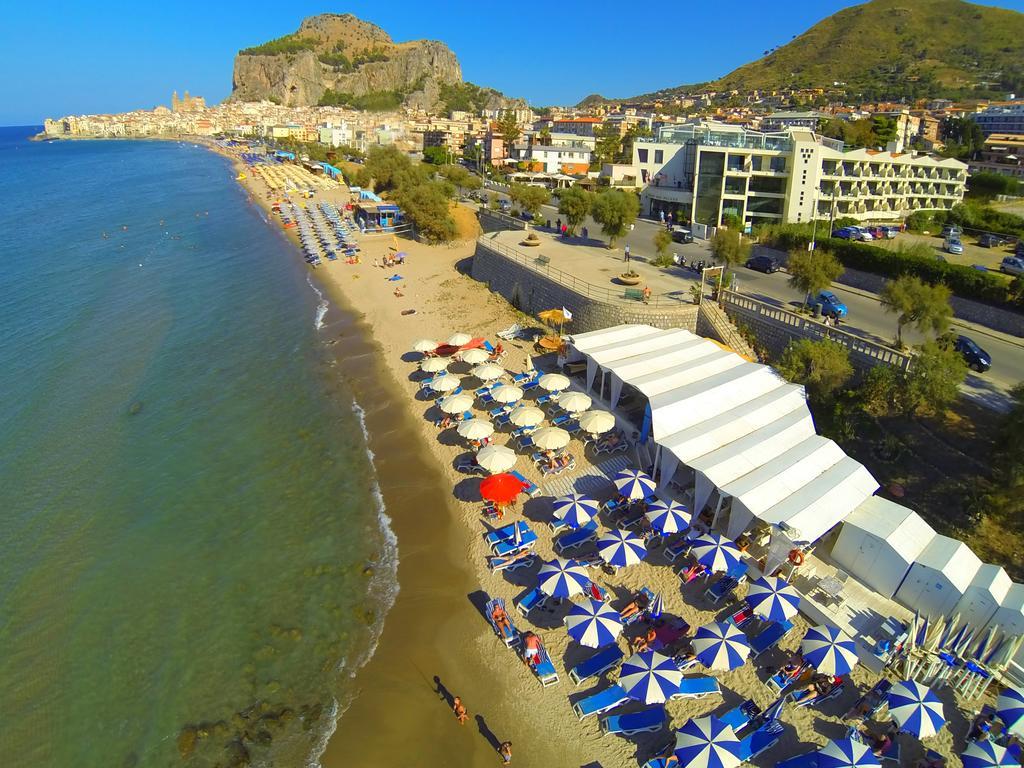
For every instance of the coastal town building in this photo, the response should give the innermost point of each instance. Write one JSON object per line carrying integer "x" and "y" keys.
{"x": 1001, "y": 118}
{"x": 1002, "y": 154}
{"x": 704, "y": 172}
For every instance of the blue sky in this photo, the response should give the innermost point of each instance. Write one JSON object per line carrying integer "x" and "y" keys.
{"x": 75, "y": 57}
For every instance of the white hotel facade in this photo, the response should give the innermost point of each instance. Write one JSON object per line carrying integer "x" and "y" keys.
{"x": 705, "y": 171}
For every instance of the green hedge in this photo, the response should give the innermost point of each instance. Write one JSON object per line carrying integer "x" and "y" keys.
{"x": 964, "y": 281}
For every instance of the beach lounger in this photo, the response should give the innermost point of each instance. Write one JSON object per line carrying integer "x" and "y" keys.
{"x": 485, "y": 398}
{"x": 576, "y": 539}
{"x": 545, "y": 399}
{"x": 524, "y": 441}
{"x": 806, "y": 760}
{"x": 470, "y": 467}
{"x": 600, "y": 702}
{"x": 742, "y": 617}
{"x": 560, "y": 420}
{"x": 759, "y": 740}
{"x": 596, "y": 665}
{"x": 523, "y": 432}
{"x": 740, "y": 716}
{"x": 509, "y": 637}
{"x": 647, "y": 593}
{"x": 603, "y": 447}
{"x": 801, "y": 698}
{"x": 510, "y": 563}
{"x": 544, "y": 669}
{"x": 532, "y": 599}
{"x": 519, "y": 378}
{"x": 769, "y": 637}
{"x": 660, "y": 762}
{"x": 507, "y": 532}
{"x": 872, "y": 702}
{"x": 526, "y": 386}
{"x": 508, "y": 334}
{"x": 645, "y": 721}
{"x": 780, "y": 681}
{"x": 697, "y": 687}
{"x": 483, "y": 390}
{"x": 511, "y": 546}
{"x": 531, "y": 489}
{"x": 679, "y": 549}
{"x": 724, "y": 587}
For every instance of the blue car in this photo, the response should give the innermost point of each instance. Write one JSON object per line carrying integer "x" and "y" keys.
{"x": 846, "y": 233}
{"x": 831, "y": 305}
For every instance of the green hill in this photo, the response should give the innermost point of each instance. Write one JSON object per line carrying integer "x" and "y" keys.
{"x": 897, "y": 48}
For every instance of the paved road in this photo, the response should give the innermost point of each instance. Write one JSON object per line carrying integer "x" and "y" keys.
{"x": 866, "y": 315}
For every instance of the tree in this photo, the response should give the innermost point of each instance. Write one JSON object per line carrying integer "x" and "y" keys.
{"x": 615, "y": 210}
{"x": 1009, "y": 449}
{"x": 529, "y": 197}
{"x": 934, "y": 378}
{"x": 574, "y": 204}
{"x": 820, "y": 366}
{"x": 508, "y": 127}
{"x": 436, "y": 155}
{"x": 607, "y": 146}
{"x": 880, "y": 389}
{"x": 730, "y": 247}
{"x": 391, "y": 169}
{"x": 662, "y": 242}
{"x": 913, "y": 301}
{"x": 811, "y": 272}
{"x": 544, "y": 136}
{"x": 460, "y": 177}
{"x": 426, "y": 206}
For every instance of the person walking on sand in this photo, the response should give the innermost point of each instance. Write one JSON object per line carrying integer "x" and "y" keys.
{"x": 460, "y": 711}
{"x": 505, "y": 750}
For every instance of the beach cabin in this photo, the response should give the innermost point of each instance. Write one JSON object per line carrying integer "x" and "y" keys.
{"x": 983, "y": 595}
{"x": 879, "y": 542}
{"x": 373, "y": 215}
{"x": 939, "y": 577}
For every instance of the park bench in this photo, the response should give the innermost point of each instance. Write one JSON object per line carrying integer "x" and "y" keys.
{"x": 542, "y": 261}
{"x": 633, "y": 293}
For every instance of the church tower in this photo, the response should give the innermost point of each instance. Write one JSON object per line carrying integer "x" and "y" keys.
{"x": 174, "y": 102}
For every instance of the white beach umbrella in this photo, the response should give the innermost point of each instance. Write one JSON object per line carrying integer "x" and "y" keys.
{"x": 444, "y": 382}
{"x": 916, "y": 709}
{"x": 425, "y": 345}
{"x": 634, "y": 484}
{"x": 550, "y": 438}
{"x": 474, "y": 356}
{"x": 496, "y": 458}
{"x": 563, "y": 577}
{"x": 506, "y": 393}
{"x": 458, "y": 339}
{"x": 650, "y": 677}
{"x": 457, "y": 403}
{"x": 553, "y": 382}
{"x": 720, "y": 645}
{"x": 668, "y": 516}
{"x": 593, "y": 624}
{"x": 488, "y": 372}
{"x": 829, "y": 650}
{"x": 574, "y": 402}
{"x": 621, "y": 548}
{"x": 475, "y": 429}
{"x": 575, "y": 509}
{"x": 527, "y": 416}
{"x": 434, "y": 364}
{"x": 596, "y": 422}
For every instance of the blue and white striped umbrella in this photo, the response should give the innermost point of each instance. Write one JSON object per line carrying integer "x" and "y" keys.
{"x": 621, "y": 548}
{"x": 634, "y": 484}
{"x": 668, "y": 516}
{"x": 575, "y": 510}
{"x": 707, "y": 742}
{"x": 716, "y": 552}
{"x": 847, "y": 753}
{"x": 829, "y": 650}
{"x": 987, "y": 754}
{"x": 916, "y": 709}
{"x": 650, "y": 677}
{"x": 593, "y": 623}
{"x": 773, "y": 599}
{"x": 721, "y": 645}
{"x": 563, "y": 578}
{"x": 656, "y": 607}
{"x": 1010, "y": 709}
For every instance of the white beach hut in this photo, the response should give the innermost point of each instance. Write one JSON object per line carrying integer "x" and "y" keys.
{"x": 879, "y": 542}
{"x": 983, "y": 595}
{"x": 939, "y": 577}
{"x": 1009, "y": 613}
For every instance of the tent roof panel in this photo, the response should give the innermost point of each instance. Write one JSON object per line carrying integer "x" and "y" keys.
{"x": 901, "y": 528}
{"x": 650, "y": 362}
{"x": 663, "y": 381}
{"x": 784, "y": 475}
{"x": 622, "y": 352}
{"x": 584, "y": 342}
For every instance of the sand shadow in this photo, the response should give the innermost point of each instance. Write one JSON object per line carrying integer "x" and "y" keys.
{"x": 412, "y": 357}
{"x": 487, "y": 733}
{"x": 443, "y": 693}
{"x": 464, "y": 266}
{"x": 450, "y": 437}
{"x": 538, "y": 510}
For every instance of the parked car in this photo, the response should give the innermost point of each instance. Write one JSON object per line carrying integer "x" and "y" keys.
{"x": 765, "y": 264}
{"x": 1012, "y": 265}
{"x": 862, "y": 233}
{"x": 681, "y": 234}
{"x": 845, "y": 233}
{"x": 950, "y": 229}
{"x": 505, "y": 205}
{"x": 877, "y": 233}
{"x": 891, "y": 232}
{"x": 976, "y": 357}
{"x": 1019, "y": 250}
{"x": 953, "y": 245}
{"x": 831, "y": 305}
{"x": 990, "y": 241}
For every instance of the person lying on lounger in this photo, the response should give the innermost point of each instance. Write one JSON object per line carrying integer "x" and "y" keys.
{"x": 444, "y": 423}
{"x": 638, "y": 604}
{"x": 879, "y": 744}
{"x": 500, "y": 619}
{"x": 644, "y": 642}
{"x": 531, "y": 649}
{"x": 610, "y": 441}
{"x": 868, "y": 704}
{"x": 820, "y": 685}
{"x": 693, "y": 572}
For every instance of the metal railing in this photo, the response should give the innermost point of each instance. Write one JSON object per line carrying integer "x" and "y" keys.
{"x": 541, "y": 264}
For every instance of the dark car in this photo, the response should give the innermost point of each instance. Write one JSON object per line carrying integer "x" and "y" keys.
{"x": 990, "y": 241}
{"x": 682, "y": 235}
{"x": 976, "y": 357}
{"x": 1019, "y": 250}
{"x": 764, "y": 264}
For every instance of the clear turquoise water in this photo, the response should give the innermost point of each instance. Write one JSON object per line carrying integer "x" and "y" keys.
{"x": 186, "y": 505}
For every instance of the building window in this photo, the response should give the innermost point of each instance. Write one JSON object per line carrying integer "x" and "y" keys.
{"x": 709, "y": 187}
{"x": 765, "y": 205}
{"x": 734, "y": 185}
{"x": 735, "y": 163}
{"x": 642, "y": 155}
{"x": 771, "y": 184}
{"x": 755, "y": 162}
{"x": 659, "y": 156}
{"x": 777, "y": 164}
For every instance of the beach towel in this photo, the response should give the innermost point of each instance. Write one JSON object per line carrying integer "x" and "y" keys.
{"x": 394, "y": 277}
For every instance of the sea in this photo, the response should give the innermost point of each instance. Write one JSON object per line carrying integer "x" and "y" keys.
{"x": 194, "y": 554}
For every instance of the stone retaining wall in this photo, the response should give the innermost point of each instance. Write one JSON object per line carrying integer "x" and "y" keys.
{"x": 496, "y": 221}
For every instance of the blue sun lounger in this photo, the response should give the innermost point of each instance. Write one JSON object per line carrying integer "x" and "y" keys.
{"x": 531, "y": 488}
{"x": 560, "y": 420}
{"x": 644, "y": 721}
{"x": 577, "y": 538}
{"x": 871, "y": 702}
{"x": 510, "y": 637}
{"x": 544, "y": 669}
{"x": 769, "y": 637}
{"x": 759, "y": 740}
{"x": 600, "y": 702}
{"x": 659, "y": 762}
{"x": 507, "y": 563}
{"x": 806, "y": 760}
{"x": 726, "y": 584}
{"x": 597, "y": 664}
{"x": 507, "y": 532}
{"x": 801, "y": 699}
{"x": 510, "y": 546}
{"x": 740, "y": 716}
{"x": 532, "y": 599}
{"x": 697, "y": 687}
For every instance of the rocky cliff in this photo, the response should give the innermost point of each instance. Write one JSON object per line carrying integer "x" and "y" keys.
{"x": 341, "y": 59}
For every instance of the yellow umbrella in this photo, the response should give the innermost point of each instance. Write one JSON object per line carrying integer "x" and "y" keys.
{"x": 555, "y": 316}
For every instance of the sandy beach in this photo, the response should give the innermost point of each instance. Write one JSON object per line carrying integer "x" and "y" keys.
{"x": 435, "y": 632}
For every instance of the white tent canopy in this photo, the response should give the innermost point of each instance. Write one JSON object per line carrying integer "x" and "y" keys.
{"x": 584, "y": 343}
{"x": 939, "y": 577}
{"x": 879, "y": 542}
{"x": 983, "y": 595}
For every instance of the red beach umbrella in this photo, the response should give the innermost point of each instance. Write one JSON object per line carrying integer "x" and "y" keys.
{"x": 501, "y": 489}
